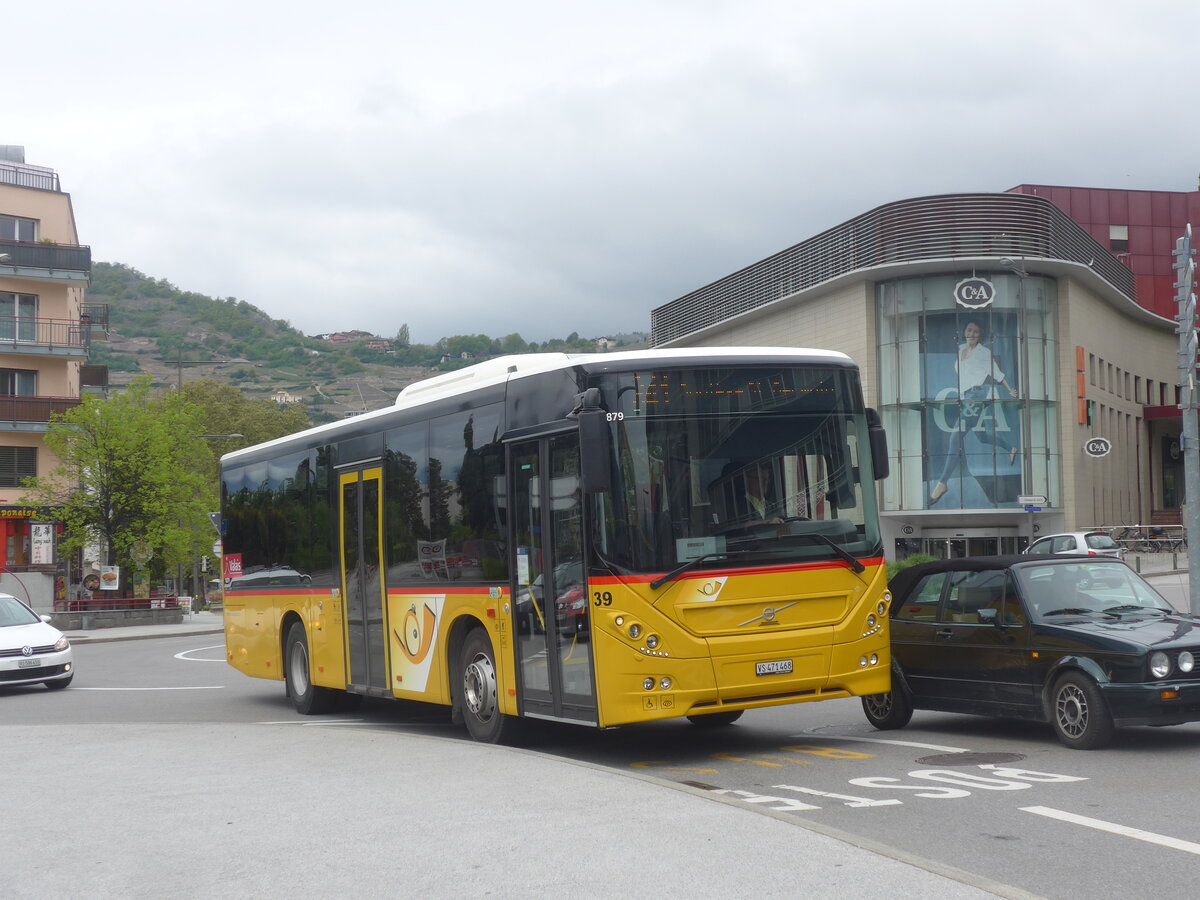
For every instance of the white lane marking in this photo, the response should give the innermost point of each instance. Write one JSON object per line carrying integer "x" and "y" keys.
{"x": 198, "y": 687}
{"x": 184, "y": 654}
{"x": 870, "y": 740}
{"x": 1124, "y": 830}
{"x": 853, "y": 802}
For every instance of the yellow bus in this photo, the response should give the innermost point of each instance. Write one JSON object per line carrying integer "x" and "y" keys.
{"x": 600, "y": 539}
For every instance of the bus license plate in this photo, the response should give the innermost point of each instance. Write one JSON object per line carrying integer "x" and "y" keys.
{"x": 28, "y": 663}
{"x": 774, "y": 667}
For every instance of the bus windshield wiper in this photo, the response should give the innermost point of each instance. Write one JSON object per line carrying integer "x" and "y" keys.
{"x": 845, "y": 554}
{"x": 692, "y": 563}
{"x": 695, "y": 561}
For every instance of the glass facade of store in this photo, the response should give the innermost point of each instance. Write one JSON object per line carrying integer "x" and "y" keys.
{"x": 968, "y": 390}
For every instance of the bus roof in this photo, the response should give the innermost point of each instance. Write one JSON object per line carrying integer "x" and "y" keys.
{"x": 497, "y": 371}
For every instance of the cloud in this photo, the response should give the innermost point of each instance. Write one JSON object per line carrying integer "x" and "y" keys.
{"x": 544, "y": 168}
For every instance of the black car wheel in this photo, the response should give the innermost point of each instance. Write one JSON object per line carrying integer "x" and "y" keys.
{"x": 1080, "y": 716}
{"x": 888, "y": 711}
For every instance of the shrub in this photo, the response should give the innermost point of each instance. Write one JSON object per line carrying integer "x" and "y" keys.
{"x": 908, "y": 562}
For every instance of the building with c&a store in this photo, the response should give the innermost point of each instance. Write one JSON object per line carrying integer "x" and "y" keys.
{"x": 1020, "y": 346}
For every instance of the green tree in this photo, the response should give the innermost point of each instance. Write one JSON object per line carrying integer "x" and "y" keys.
{"x": 223, "y": 409}
{"x": 129, "y": 475}
{"x": 402, "y": 337}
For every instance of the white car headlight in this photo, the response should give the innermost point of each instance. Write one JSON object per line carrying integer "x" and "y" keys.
{"x": 62, "y": 643}
{"x": 1186, "y": 661}
{"x": 1160, "y": 664}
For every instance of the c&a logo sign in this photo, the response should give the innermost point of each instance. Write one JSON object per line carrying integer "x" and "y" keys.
{"x": 974, "y": 293}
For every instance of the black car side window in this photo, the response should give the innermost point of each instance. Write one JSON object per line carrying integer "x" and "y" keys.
{"x": 921, "y": 604}
{"x": 971, "y": 592}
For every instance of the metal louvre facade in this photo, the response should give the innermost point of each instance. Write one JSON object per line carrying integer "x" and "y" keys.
{"x": 950, "y": 226}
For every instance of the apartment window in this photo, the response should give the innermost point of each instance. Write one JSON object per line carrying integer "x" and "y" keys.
{"x": 18, "y": 316}
{"x": 14, "y": 228}
{"x": 17, "y": 463}
{"x": 1118, "y": 238}
{"x": 18, "y": 382}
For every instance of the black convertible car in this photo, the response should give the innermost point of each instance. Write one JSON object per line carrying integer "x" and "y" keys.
{"x": 1083, "y": 643}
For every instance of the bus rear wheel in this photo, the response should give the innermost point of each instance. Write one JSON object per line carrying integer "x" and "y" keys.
{"x": 308, "y": 699}
{"x": 479, "y": 689}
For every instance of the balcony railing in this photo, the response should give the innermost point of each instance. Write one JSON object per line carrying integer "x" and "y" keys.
{"x": 23, "y": 175}
{"x": 45, "y": 255}
{"x": 14, "y": 409}
{"x": 19, "y": 334}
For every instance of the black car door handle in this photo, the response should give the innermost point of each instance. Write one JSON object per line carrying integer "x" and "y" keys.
{"x": 944, "y": 633}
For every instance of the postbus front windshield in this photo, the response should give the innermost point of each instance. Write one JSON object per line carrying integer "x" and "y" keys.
{"x": 735, "y": 466}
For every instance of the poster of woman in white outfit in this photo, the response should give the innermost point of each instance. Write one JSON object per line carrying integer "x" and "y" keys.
{"x": 979, "y": 380}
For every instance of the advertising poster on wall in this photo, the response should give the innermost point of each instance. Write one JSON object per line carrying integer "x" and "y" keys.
{"x": 110, "y": 578}
{"x": 41, "y": 543}
{"x": 972, "y": 409}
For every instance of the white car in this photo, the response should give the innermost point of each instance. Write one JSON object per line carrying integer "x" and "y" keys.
{"x": 32, "y": 651}
{"x": 1089, "y": 543}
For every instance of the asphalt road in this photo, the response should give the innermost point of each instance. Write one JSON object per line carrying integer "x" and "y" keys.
{"x": 167, "y": 722}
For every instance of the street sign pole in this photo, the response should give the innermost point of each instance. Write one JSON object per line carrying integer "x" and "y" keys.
{"x": 1185, "y": 297}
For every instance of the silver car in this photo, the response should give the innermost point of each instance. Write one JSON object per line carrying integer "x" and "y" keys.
{"x": 1089, "y": 543}
{"x": 32, "y": 651}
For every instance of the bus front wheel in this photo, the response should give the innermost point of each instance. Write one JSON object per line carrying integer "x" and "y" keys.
{"x": 479, "y": 690}
{"x": 305, "y": 696}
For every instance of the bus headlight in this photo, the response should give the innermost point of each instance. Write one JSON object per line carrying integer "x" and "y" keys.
{"x": 1160, "y": 664}
{"x": 652, "y": 641}
{"x": 665, "y": 684}
{"x": 1186, "y": 661}
{"x": 635, "y": 631}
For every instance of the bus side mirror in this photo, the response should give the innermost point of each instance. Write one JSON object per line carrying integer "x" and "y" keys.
{"x": 879, "y": 447}
{"x": 595, "y": 451}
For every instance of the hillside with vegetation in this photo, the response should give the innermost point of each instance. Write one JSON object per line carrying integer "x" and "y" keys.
{"x": 176, "y": 336}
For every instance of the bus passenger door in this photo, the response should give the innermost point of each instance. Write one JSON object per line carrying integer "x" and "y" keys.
{"x": 363, "y": 584}
{"x": 554, "y": 655}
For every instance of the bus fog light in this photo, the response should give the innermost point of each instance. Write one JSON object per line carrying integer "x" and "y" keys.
{"x": 652, "y": 641}
{"x": 635, "y": 631}
{"x": 874, "y": 659}
{"x": 1160, "y": 664}
{"x": 648, "y": 684}
{"x": 665, "y": 684}
{"x": 620, "y": 620}
{"x": 862, "y": 662}
{"x": 1186, "y": 661}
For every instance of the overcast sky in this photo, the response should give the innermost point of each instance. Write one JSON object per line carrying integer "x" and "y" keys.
{"x": 548, "y": 167}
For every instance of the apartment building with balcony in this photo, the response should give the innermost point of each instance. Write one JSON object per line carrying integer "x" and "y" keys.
{"x": 46, "y": 332}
